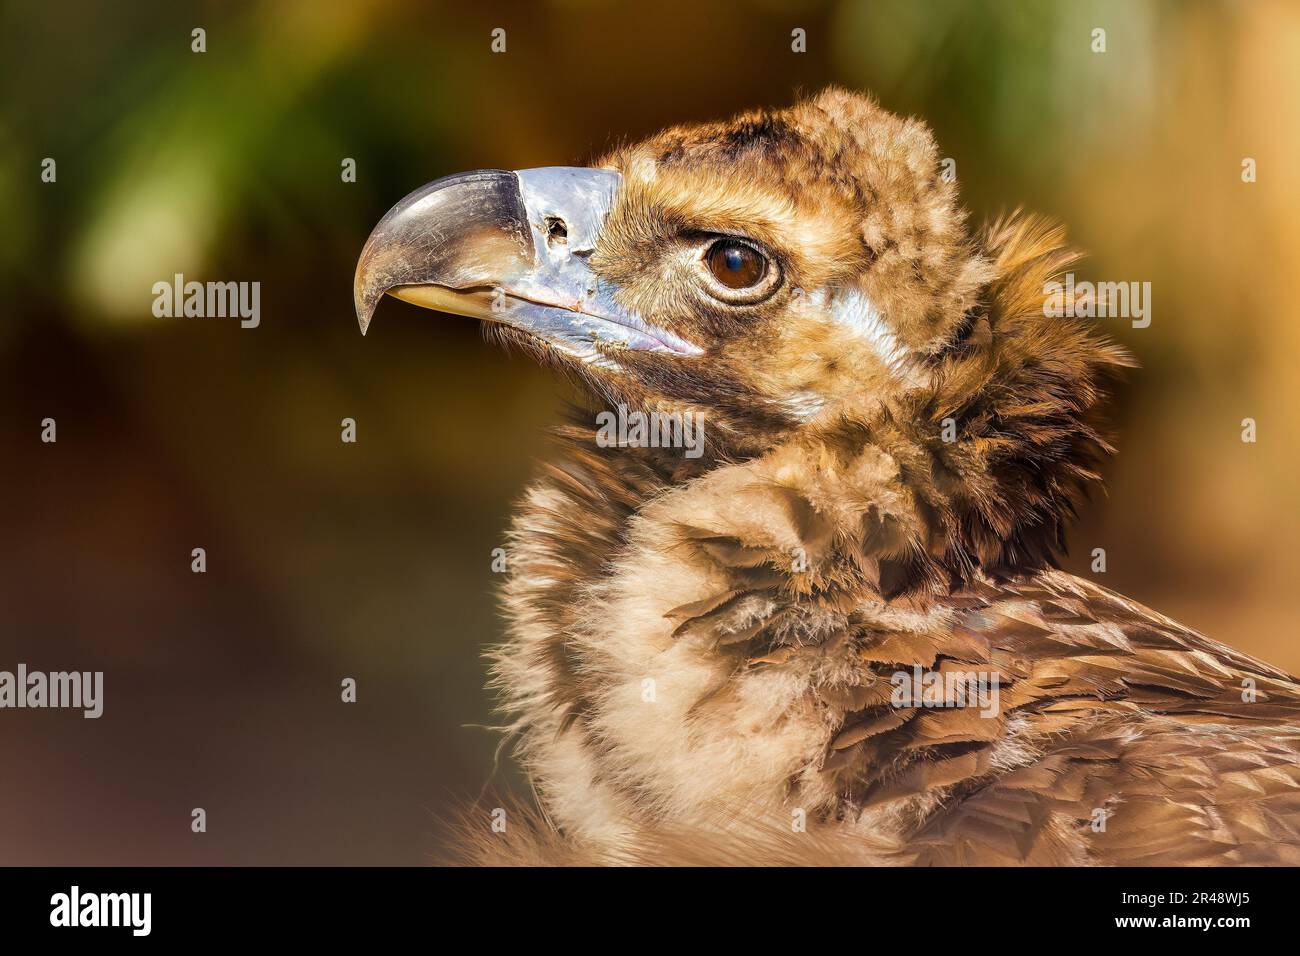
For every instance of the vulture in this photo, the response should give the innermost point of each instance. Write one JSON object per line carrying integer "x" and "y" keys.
{"x": 835, "y": 631}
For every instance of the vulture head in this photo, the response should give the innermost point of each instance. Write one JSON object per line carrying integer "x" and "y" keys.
{"x": 789, "y": 272}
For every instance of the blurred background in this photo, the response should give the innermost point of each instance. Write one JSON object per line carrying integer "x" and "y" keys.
{"x": 372, "y": 560}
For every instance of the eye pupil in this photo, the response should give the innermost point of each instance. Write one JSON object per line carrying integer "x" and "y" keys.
{"x": 736, "y": 265}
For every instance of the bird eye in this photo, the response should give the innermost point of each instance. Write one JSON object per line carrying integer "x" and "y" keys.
{"x": 735, "y": 264}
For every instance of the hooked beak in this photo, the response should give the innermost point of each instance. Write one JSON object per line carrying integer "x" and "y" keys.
{"x": 513, "y": 248}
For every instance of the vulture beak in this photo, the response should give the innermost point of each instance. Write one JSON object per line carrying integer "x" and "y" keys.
{"x": 513, "y": 248}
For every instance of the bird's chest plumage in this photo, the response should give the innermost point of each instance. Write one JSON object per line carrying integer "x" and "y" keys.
{"x": 624, "y": 713}
{"x": 675, "y": 654}
{"x": 694, "y": 648}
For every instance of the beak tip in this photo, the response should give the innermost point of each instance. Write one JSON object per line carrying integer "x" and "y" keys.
{"x": 365, "y": 295}
{"x": 459, "y": 232}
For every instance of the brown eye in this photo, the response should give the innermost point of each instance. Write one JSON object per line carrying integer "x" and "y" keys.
{"x": 736, "y": 265}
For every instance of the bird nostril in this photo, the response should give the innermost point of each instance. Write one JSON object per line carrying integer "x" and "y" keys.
{"x": 556, "y": 230}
